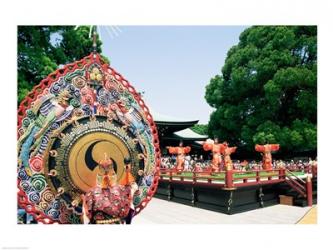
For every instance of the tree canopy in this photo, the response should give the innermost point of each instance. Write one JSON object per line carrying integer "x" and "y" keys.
{"x": 201, "y": 129}
{"x": 267, "y": 92}
{"x": 41, "y": 49}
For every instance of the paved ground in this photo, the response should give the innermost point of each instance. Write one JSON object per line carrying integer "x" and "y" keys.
{"x": 165, "y": 212}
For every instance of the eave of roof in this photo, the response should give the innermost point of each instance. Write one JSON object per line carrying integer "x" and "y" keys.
{"x": 187, "y": 134}
{"x": 169, "y": 120}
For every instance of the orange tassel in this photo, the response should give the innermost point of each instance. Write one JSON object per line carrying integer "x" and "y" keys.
{"x": 127, "y": 179}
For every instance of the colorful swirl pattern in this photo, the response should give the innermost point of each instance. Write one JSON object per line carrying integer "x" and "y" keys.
{"x": 36, "y": 164}
{"x": 34, "y": 197}
{"x": 48, "y": 195}
{"x": 38, "y": 182}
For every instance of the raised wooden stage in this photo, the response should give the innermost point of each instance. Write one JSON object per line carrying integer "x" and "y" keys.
{"x": 236, "y": 191}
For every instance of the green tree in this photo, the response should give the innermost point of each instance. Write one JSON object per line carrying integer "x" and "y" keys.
{"x": 201, "y": 129}
{"x": 41, "y": 49}
{"x": 267, "y": 92}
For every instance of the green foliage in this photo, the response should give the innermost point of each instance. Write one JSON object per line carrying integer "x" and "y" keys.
{"x": 201, "y": 129}
{"x": 41, "y": 49}
{"x": 267, "y": 92}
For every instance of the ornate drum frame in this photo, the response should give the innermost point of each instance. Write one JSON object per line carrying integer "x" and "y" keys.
{"x": 46, "y": 83}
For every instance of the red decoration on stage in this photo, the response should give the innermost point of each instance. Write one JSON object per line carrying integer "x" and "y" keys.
{"x": 217, "y": 151}
{"x": 266, "y": 150}
{"x": 226, "y": 155}
{"x": 180, "y": 152}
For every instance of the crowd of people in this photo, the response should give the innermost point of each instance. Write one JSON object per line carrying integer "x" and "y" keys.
{"x": 198, "y": 163}
{"x": 191, "y": 163}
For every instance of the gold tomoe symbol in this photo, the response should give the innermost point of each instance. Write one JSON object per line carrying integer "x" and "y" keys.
{"x": 88, "y": 151}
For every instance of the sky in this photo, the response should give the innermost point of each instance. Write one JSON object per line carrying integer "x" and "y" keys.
{"x": 171, "y": 64}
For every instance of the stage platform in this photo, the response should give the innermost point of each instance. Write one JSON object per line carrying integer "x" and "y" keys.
{"x": 244, "y": 193}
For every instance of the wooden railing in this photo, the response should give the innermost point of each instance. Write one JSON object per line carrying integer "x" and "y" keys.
{"x": 247, "y": 178}
{"x": 200, "y": 178}
{"x": 296, "y": 183}
{"x": 304, "y": 188}
{"x": 306, "y": 168}
{"x": 296, "y": 168}
{"x": 226, "y": 179}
